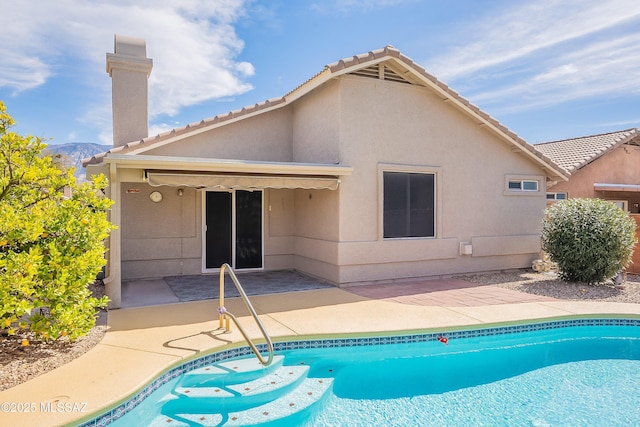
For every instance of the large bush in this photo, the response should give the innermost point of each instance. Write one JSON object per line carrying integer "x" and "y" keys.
{"x": 591, "y": 240}
{"x": 51, "y": 246}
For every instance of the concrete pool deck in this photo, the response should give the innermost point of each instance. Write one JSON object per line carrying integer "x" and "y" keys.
{"x": 142, "y": 342}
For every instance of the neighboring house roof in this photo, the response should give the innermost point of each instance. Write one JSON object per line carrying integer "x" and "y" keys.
{"x": 387, "y": 63}
{"x": 575, "y": 153}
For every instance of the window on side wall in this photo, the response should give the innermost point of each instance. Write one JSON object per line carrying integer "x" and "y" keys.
{"x": 523, "y": 185}
{"x": 556, "y": 196}
{"x": 622, "y": 204}
{"x": 409, "y": 204}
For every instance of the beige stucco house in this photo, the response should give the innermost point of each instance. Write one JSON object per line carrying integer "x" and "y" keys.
{"x": 370, "y": 170}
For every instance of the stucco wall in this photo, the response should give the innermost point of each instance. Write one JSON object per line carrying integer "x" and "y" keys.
{"x": 316, "y": 138}
{"x": 160, "y": 239}
{"x": 619, "y": 166}
{"x": 316, "y": 126}
{"x": 279, "y": 229}
{"x": 264, "y": 137}
{"x": 405, "y": 127}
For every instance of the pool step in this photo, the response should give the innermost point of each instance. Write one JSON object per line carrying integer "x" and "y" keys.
{"x": 211, "y": 399}
{"x": 230, "y": 372}
{"x": 242, "y": 392}
{"x": 292, "y": 408}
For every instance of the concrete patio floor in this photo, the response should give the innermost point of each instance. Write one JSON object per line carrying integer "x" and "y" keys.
{"x": 142, "y": 342}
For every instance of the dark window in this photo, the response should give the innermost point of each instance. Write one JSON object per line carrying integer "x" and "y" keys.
{"x": 515, "y": 185}
{"x": 409, "y": 204}
{"x": 524, "y": 185}
{"x": 556, "y": 196}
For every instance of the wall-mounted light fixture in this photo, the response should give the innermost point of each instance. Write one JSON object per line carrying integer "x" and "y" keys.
{"x": 180, "y": 192}
{"x": 156, "y": 197}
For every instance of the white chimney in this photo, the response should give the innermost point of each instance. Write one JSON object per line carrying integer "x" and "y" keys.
{"x": 129, "y": 69}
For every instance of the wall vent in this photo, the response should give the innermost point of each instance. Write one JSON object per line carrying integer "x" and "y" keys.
{"x": 386, "y": 74}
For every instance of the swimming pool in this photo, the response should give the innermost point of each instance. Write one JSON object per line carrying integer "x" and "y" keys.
{"x": 566, "y": 372}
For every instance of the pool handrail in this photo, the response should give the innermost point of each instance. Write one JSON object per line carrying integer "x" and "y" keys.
{"x": 223, "y": 312}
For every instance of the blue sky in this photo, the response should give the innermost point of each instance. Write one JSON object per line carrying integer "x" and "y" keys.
{"x": 548, "y": 70}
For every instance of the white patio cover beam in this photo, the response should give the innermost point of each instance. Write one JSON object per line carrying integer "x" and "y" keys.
{"x": 634, "y": 188}
{"x": 241, "y": 182}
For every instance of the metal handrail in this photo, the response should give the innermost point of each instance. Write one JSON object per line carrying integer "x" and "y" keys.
{"x": 223, "y": 312}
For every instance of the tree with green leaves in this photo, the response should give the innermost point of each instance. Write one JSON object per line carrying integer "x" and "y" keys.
{"x": 51, "y": 245}
{"x": 591, "y": 240}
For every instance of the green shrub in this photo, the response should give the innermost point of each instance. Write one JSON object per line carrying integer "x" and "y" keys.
{"x": 591, "y": 240}
{"x": 51, "y": 246}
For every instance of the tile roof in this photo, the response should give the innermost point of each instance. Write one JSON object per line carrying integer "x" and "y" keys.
{"x": 396, "y": 65}
{"x": 572, "y": 154}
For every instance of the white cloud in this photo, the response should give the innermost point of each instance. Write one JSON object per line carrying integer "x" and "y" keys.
{"x": 528, "y": 27}
{"x": 601, "y": 68}
{"x": 192, "y": 42}
{"x": 560, "y": 72}
{"x": 537, "y": 54}
{"x": 629, "y": 123}
{"x": 348, "y": 6}
{"x": 22, "y": 72}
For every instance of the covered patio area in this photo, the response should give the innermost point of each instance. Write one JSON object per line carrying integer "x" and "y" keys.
{"x": 199, "y": 287}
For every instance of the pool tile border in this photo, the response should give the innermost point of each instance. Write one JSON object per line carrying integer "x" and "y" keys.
{"x": 119, "y": 411}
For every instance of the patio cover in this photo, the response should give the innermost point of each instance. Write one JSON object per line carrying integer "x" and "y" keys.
{"x": 241, "y": 181}
{"x": 616, "y": 187}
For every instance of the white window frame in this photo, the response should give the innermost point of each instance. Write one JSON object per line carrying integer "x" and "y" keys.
{"x": 522, "y": 179}
{"x": 555, "y": 198}
{"x": 622, "y": 204}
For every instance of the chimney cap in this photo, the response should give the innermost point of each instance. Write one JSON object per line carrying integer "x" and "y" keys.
{"x": 130, "y": 46}
{"x": 130, "y": 54}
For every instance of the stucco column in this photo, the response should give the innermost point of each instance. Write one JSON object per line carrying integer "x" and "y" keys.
{"x": 113, "y": 281}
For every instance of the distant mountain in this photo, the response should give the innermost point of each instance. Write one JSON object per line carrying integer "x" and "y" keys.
{"x": 72, "y": 153}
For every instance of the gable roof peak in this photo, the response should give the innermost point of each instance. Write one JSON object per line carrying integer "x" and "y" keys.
{"x": 362, "y": 58}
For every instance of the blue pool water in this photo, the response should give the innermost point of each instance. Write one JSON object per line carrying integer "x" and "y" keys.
{"x": 574, "y": 377}
{"x": 565, "y": 373}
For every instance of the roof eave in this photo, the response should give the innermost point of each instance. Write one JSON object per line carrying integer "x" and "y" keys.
{"x": 346, "y": 66}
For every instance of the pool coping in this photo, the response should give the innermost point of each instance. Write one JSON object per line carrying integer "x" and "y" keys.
{"x": 144, "y": 342}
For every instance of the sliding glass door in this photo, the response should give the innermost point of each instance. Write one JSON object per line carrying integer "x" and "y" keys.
{"x": 233, "y": 229}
